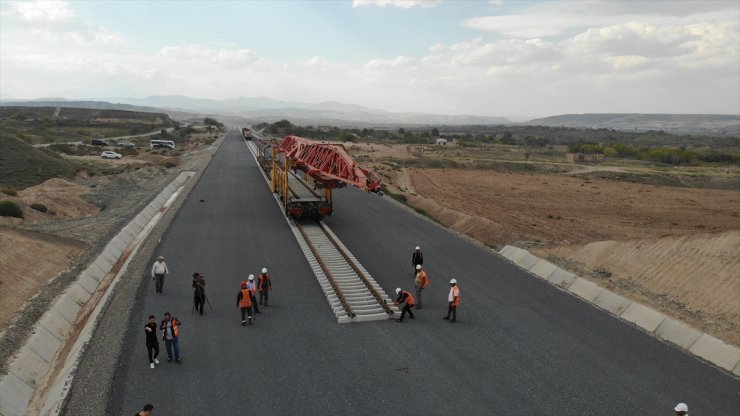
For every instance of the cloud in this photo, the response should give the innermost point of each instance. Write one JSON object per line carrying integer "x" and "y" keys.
{"x": 401, "y": 4}
{"x": 233, "y": 58}
{"x": 399, "y": 61}
{"x": 42, "y": 11}
{"x": 103, "y": 36}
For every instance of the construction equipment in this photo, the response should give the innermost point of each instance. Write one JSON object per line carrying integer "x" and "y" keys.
{"x": 304, "y": 173}
{"x": 247, "y": 133}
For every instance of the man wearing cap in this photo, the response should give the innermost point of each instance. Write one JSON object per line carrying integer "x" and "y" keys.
{"x": 681, "y": 409}
{"x": 421, "y": 281}
{"x": 408, "y": 299}
{"x": 417, "y": 259}
{"x": 264, "y": 286}
{"x": 159, "y": 270}
{"x": 453, "y": 300}
{"x": 244, "y": 303}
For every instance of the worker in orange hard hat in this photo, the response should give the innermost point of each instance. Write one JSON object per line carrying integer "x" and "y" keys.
{"x": 409, "y": 302}
{"x": 244, "y": 302}
{"x": 421, "y": 281}
{"x": 453, "y": 299}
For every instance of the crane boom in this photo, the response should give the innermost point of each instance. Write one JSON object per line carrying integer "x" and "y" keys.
{"x": 328, "y": 164}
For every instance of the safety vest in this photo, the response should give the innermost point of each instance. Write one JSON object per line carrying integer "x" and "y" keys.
{"x": 454, "y": 295}
{"x": 409, "y": 298}
{"x": 264, "y": 282}
{"x": 175, "y": 328}
{"x": 421, "y": 279}
{"x": 245, "y": 301}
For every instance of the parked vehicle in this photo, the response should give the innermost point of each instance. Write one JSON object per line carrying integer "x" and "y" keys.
{"x": 110, "y": 155}
{"x": 125, "y": 143}
{"x": 167, "y": 144}
{"x": 99, "y": 142}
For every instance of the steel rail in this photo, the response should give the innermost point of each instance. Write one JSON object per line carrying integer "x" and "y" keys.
{"x": 329, "y": 275}
{"x": 357, "y": 270}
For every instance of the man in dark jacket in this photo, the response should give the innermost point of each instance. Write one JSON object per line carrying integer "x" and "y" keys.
{"x": 152, "y": 343}
{"x": 199, "y": 291}
{"x": 417, "y": 258}
{"x": 264, "y": 287}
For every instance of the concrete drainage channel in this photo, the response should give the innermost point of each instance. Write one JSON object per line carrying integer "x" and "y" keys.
{"x": 353, "y": 294}
{"x": 41, "y": 372}
{"x": 689, "y": 339}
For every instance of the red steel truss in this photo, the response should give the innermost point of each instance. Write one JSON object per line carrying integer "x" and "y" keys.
{"x": 328, "y": 164}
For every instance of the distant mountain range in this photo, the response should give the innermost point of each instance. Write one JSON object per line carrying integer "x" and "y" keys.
{"x": 715, "y": 124}
{"x": 269, "y": 110}
{"x": 258, "y": 109}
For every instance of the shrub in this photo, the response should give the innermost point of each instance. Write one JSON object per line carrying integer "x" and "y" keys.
{"x": 39, "y": 207}
{"x": 10, "y": 209}
{"x": 9, "y": 191}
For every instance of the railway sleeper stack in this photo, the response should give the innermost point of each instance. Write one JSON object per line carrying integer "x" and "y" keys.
{"x": 356, "y": 293}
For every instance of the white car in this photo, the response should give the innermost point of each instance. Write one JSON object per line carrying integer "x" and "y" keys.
{"x": 110, "y": 155}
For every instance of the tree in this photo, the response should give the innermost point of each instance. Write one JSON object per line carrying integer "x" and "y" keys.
{"x": 435, "y": 132}
{"x": 401, "y": 131}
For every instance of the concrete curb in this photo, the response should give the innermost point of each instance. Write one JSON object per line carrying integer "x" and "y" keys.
{"x": 691, "y": 340}
{"x": 32, "y": 386}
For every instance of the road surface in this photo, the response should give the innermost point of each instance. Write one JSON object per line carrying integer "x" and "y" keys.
{"x": 521, "y": 346}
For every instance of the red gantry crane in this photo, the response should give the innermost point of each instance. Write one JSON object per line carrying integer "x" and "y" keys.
{"x": 324, "y": 166}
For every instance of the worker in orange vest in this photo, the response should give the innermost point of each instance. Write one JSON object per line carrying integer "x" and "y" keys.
{"x": 454, "y": 301}
{"x": 420, "y": 283}
{"x": 244, "y": 302}
{"x": 264, "y": 286}
{"x": 170, "y": 327}
{"x": 409, "y": 302}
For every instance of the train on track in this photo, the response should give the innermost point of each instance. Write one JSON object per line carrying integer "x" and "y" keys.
{"x": 304, "y": 173}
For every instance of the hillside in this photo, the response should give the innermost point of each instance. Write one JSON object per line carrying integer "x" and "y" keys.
{"x": 61, "y": 124}
{"x": 22, "y": 165}
{"x": 715, "y": 124}
{"x": 259, "y": 109}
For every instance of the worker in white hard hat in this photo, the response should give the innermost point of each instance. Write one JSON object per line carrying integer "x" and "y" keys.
{"x": 417, "y": 258}
{"x": 264, "y": 286}
{"x": 408, "y": 300}
{"x": 252, "y": 286}
{"x": 681, "y": 409}
{"x": 421, "y": 281}
{"x": 453, "y": 300}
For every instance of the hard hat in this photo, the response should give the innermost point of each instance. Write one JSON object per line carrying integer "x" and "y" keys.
{"x": 418, "y": 248}
{"x": 418, "y": 267}
{"x": 398, "y": 290}
{"x": 453, "y": 281}
{"x": 244, "y": 284}
{"x": 264, "y": 270}
{"x": 251, "y": 277}
{"x": 681, "y": 407}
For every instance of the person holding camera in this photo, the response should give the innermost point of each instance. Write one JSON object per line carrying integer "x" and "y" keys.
{"x": 199, "y": 291}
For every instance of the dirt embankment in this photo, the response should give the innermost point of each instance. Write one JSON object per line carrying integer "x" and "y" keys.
{"x": 693, "y": 277}
{"x": 30, "y": 260}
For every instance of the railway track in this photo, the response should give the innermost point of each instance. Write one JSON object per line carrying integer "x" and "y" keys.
{"x": 352, "y": 293}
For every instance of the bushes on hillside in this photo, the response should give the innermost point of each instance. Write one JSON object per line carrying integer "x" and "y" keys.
{"x": 39, "y": 207}
{"x": 9, "y": 191}
{"x": 10, "y": 209}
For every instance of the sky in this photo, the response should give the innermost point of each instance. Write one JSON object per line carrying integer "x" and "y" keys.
{"x": 517, "y": 59}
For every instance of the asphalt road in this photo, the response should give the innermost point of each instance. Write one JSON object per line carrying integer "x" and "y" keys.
{"x": 520, "y": 345}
